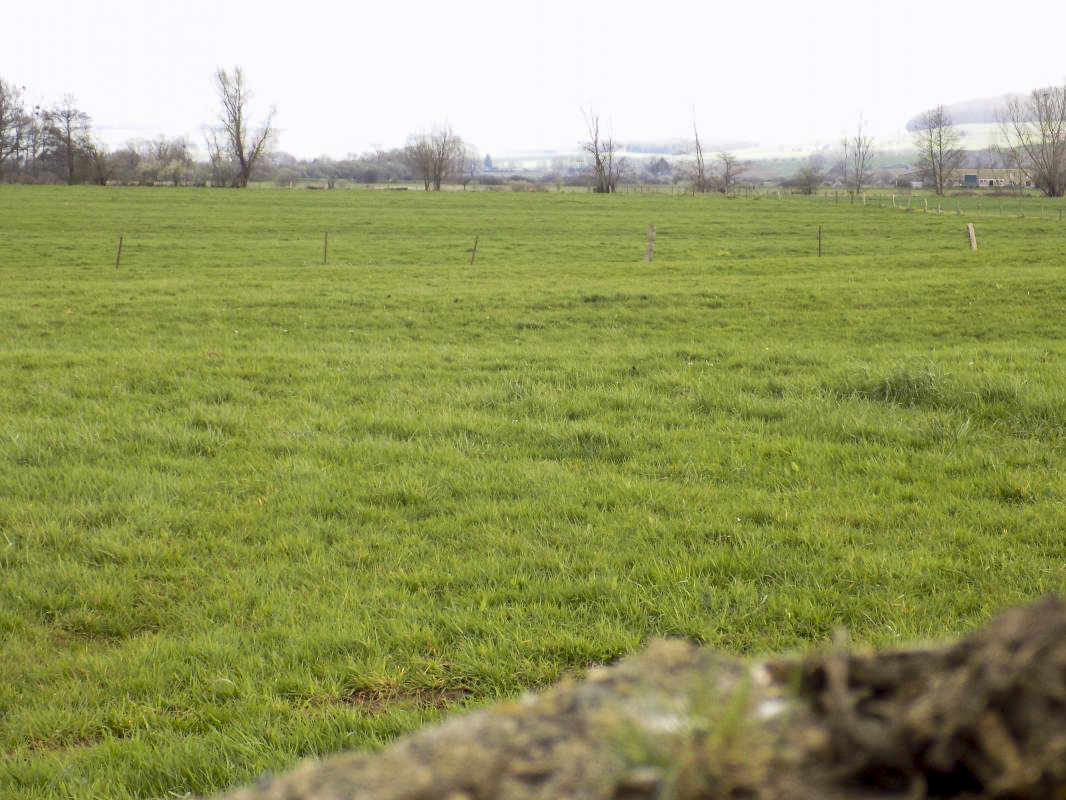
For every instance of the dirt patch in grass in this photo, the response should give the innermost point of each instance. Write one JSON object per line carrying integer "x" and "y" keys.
{"x": 379, "y": 701}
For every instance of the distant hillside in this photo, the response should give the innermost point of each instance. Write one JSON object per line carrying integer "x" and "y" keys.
{"x": 677, "y": 146}
{"x": 971, "y": 111}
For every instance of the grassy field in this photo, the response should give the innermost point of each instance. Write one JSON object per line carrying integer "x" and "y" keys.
{"x": 255, "y": 507}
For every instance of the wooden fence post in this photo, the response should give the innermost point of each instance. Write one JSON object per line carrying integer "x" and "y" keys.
{"x": 325, "y": 248}
{"x": 819, "y": 241}
{"x": 973, "y": 236}
{"x": 473, "y": 250}
{"x": 649, "y": 248}
{"x": 118, "y": 256}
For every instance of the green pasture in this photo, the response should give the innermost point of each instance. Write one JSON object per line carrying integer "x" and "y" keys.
{"x": 256, "y": 507}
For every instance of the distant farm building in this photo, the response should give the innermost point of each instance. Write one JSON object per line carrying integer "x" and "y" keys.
{"x": 996, "y": 178}
{"x": 910, "y": 180}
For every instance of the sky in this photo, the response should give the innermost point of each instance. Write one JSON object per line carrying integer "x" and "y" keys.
{"x": 514, "y": 76}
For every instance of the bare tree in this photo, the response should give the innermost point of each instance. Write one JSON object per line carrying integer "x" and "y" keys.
{"x": 66, "y": 131}
{"x": 11, "y": 116}
{"x": 223, "y": 169}
{"x": 989, "y": 157}
{"x": 845, "y": 160}
{"x": 101, "y": 166}
{"x": 602, "y": 149}
{"x": 699, "y": 168}
{"x": 233, "y": 138}
{"x": 31, "y": 139}
{"x": 937, "y": 140}
{"x": 434, "y": 155}
{"x": 448, "y": 152}
{"x": 467, "y": 164}
{"x": 810, "y": 176}
{"x": 167, "y": 160}
{"x": 855, "y": 160}
{"x": 1033, "y": 137}
{"x": 126, "y": 163}
{"x": 729, "y": 171}
{"x": 660, "y": 169}
{"x": 419, "y": 157}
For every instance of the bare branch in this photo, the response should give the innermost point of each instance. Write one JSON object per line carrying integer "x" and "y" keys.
{"x": 66, "y": 129}
{"x": 1033, "y": 138}
{"x": 232, "y": 135}
{"x": 937, "y": 141}
{"x": 700, "y": 169}
{"x": 729, "y": 171}
{"x": 11, "y": 114}
{"x": 435, "y": 155}
{"x": 606, "y": 170}
{"x": 855, "y": 160}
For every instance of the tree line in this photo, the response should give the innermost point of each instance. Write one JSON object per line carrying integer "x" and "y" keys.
{"x": 1030, "y": 140}
{"x": 56, "y": 143}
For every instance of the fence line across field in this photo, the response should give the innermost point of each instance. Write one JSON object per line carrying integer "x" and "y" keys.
{"x": 756, "y": 194}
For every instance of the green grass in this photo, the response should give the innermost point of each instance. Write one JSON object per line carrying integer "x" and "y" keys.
{"x": 254, "y": 507}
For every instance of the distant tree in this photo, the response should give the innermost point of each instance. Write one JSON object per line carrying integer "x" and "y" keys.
{"x": 101, "y": 166}
{"x": 810, "y": 176}
{"x": 855, "y": 159}
{"x": 66, "y": 132}
{"x": 467, "y": 164}
{"x": 381, "y": 164}
{"x": 31, "y": 137}
{"x": 171, "y": 159}
{"x": 488, "y": 163}
{"x": 700, "y": 181}
{"x": 1033, "y": 138}
{"x": 12, "y": 114}
{"x": 434, "y": 155}
{"x": 232, "y": 139}
{"x": 937, "y": 140}
{"x": 729, "y": 171}
{"x": 988, "y": 157}
{"x": 419, "y": 156}
{"x": 602, "y": 149}
{"x": 126, "y": 163}
{"x": 660, "y": 168}
{"x": 223, "y": 169}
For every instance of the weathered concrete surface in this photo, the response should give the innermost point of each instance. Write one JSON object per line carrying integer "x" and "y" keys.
{"x": 982, "y": 718}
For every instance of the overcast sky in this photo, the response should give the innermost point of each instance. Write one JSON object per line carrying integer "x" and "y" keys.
{"x": 513, "y": 76}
